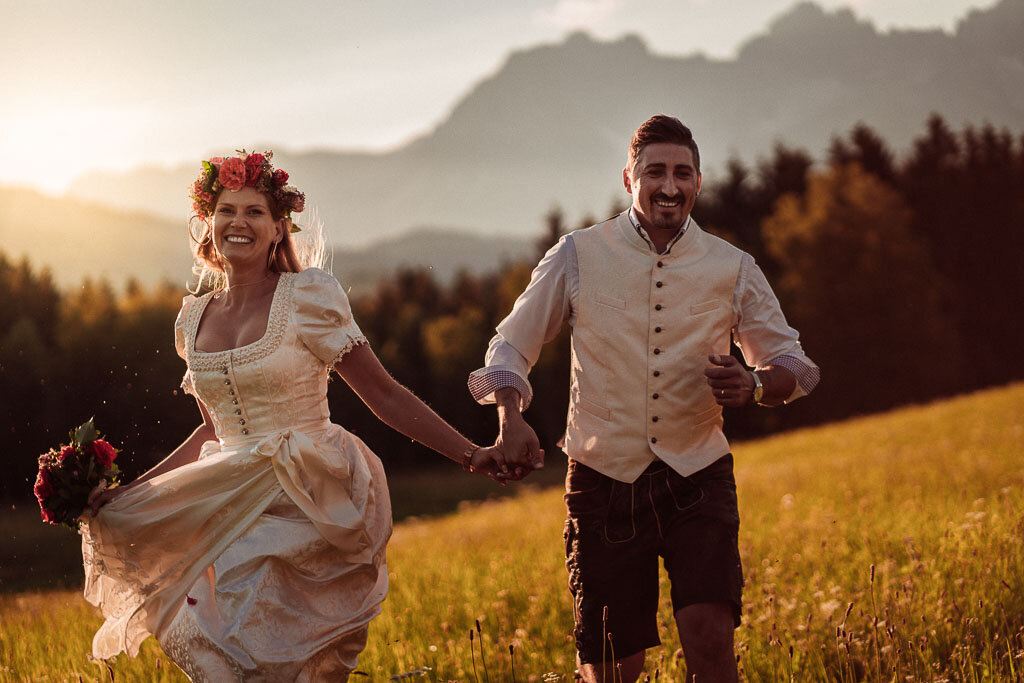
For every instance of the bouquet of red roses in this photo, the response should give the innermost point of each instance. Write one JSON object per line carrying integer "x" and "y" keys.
{"x": 69, "y": 475}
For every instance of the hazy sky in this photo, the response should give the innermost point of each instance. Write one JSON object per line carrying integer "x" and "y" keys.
{"x": 103, "y": 84}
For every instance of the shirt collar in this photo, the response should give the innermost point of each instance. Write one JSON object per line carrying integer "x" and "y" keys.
{"x": 643, "y": 233}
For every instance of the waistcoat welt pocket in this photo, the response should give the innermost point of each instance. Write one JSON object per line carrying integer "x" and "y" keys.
{"x": 609, "y": 300}
{"x": 697, "y": 309}
{"x": 595, "y": 409}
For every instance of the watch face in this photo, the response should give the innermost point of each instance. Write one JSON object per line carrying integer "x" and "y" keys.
{"x": 758, "y": 394}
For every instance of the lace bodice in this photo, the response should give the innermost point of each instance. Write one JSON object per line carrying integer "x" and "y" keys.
{"x": 280, "y": 380}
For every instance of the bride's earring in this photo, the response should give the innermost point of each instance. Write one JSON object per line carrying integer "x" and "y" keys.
{"x": 207, "y": 232}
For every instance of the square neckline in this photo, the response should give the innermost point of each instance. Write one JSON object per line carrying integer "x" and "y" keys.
{"x": 201, "y": 310}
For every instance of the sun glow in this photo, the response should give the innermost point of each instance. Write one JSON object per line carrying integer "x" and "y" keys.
{"x": 49, "y": 149}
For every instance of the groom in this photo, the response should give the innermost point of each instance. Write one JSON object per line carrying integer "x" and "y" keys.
{"x": 653, "y": 302}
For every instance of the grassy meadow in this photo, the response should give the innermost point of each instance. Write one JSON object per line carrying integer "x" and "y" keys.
{"x": 881, "y": 548}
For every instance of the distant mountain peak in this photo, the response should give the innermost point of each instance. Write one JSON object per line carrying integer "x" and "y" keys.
{"x": 998, "y": 30}
{"x": 550, "y": 126}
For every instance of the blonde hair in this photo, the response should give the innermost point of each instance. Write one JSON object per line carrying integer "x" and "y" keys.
{"x": 295, "y": 252}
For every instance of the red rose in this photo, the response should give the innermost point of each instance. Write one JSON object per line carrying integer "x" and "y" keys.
{"x": 253, "y": 169}
{"x": 280, "y": 177}
{"x": 65, "y": 453}
{"x": 103, "y": 452}
{"x": 44, "y": 486}
{"x": 232, "y": 173}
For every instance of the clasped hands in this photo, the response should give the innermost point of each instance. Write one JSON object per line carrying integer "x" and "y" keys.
{"x": 515, "y": 453}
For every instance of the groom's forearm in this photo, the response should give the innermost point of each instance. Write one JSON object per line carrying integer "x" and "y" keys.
{"x": 509, "y": 403}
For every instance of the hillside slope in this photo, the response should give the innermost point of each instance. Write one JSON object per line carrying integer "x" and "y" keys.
{"x": 883, "y": 544}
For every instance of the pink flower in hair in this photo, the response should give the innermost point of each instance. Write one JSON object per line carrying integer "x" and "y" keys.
{"x": 216, "y": 161}
{"x": 65, "y": 453}
{"x": 232, "y": 173}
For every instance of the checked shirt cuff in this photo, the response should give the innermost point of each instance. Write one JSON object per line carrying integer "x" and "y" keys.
{"x": 807, "y": 375}
{"x": 485, "y": 381}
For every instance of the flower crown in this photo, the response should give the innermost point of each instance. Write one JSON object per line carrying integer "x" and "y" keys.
{"x": 246, "y": 170}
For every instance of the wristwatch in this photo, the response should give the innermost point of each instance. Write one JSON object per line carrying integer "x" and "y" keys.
{"x": 758, "y": 389}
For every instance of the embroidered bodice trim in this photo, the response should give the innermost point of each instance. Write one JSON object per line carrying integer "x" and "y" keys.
{"x": 277, "y": 323}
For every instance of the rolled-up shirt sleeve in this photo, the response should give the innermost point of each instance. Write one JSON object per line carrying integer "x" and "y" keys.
{"x": 764, "y": 336}
{"x": 536, "y": 319}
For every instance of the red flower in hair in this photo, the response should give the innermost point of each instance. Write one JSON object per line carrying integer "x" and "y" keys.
{"x": 103, "y": 452}
{"x": 253, "y": 168}
{"x": 232, "y": 173}
{"x": 65, "y": 453}
{"x": 280, "y": 178}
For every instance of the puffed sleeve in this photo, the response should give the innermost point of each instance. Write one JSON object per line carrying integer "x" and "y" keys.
{"x": 180, "y": 341}
{"x": 323, "y": 316}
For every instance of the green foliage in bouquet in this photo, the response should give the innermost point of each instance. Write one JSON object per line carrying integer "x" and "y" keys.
{"x": 68, "y": 475}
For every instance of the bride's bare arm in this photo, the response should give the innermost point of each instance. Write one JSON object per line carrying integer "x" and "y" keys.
{"x": 399, "y": 408}
{"x": 187, "y": 452}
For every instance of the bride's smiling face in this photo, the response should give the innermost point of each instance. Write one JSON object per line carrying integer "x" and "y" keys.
{"x": 243, "y": 227}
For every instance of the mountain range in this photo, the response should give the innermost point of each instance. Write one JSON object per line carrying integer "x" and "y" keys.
{"x": 550, "y": 128}
{"x": 119, "y": 244}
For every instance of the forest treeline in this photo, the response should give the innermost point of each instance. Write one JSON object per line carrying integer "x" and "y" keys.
{"x": 903, "y": 274}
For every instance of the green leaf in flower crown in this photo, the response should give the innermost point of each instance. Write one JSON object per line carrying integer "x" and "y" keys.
{"x": 85, "y": 433}
{"x": 208, "y": 167}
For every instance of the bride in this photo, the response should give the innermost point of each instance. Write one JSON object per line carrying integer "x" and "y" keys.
{"x": 256, "y": 550}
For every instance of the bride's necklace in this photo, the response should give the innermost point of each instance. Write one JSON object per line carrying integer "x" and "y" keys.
{"x": 218, "y": 294}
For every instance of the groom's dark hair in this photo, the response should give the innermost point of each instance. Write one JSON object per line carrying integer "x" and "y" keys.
{"x": 661, "y": 128}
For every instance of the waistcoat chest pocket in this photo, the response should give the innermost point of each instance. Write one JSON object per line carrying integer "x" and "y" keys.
{"x": 609, "y": 300}
{"x": 704, "y": 307}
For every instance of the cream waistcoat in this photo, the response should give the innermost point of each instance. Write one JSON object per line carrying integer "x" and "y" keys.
{"x": 645, "y": 327}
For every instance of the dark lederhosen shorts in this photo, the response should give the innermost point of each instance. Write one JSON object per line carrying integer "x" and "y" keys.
{"x": 615, "y": 533}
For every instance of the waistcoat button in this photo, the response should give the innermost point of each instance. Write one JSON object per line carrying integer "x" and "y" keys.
{"x": 245, "y": 431}
{"x": 660, "y": 264}
{"x": 659, "y": 283}
{"x": 657, "y": 307}
{"x": 654, "y": 419}
{"x": 654, "y": 396}
{"x": 227, "y": 381}
{"x": 657, "y": 373}
{"x": 657, "y": 351}
{"x": 657, "y": 329}
{"x": 654, "y": 439}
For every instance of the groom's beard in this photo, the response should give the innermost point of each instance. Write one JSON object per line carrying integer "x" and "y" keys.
{"x": 669, "y": 219}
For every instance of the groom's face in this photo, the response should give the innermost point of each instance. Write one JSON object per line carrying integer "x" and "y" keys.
{"x": 664, "y": 183}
